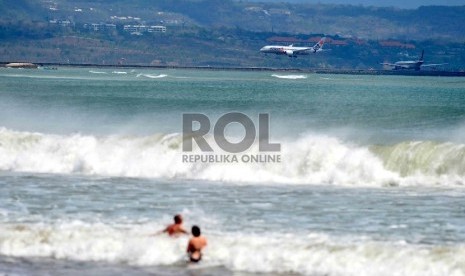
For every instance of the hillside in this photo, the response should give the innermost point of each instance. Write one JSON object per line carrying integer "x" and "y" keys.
{"x": 103, "y": 32}
{"x": 345, "y": 20}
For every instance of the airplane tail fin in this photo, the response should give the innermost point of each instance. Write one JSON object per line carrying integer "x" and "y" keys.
{"x": 422, "y": 53}
{"x": 319, "y": 46}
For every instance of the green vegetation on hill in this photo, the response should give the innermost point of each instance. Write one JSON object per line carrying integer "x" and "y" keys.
{"x": 365, "y": 22}
{"x": 16, "y": 10}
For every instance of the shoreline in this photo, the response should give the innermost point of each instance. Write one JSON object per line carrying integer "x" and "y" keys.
{"x": 265, "y": 69}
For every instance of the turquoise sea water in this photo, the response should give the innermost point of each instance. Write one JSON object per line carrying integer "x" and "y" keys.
{"x": 370, "y": 183}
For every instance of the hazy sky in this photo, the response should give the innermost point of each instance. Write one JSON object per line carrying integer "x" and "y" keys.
{"x": 396, "y": 3}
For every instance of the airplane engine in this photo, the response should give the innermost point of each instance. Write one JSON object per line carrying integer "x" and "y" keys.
{"x": 289, "y": 52}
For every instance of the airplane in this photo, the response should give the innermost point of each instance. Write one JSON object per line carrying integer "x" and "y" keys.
{"x": 411, "y": 64}
{"x": 292, "y": 51}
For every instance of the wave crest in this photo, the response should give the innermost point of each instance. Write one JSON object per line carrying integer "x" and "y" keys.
{"x": 289, "y": 77}
{"x": 152, "y": 76}
{"x": 424, "y": 157}
{"x": 311, "y": 159}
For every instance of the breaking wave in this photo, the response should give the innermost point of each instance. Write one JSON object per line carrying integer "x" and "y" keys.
{"x": 289, "y": 77}
{"x": 152, "y": 76}
{"x": 308, "y": 254}
{"x": 311, "y": 159}
{"x": 97, "y": 72}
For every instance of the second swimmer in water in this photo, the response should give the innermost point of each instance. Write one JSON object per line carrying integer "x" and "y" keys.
{"x": 176, "y": 228}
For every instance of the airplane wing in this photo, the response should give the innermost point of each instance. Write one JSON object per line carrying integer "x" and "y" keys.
{"x": 301, "y": 50}
{"x": 432, "y": 65}
{"x": 403, "y": 66}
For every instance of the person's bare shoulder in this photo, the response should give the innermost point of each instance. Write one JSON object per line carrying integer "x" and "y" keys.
{"x": 203, "y": 241}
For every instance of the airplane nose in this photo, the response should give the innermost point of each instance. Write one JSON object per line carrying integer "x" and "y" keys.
{"x": 262, "y": 49}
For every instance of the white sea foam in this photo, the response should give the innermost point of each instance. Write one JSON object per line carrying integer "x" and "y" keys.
{"x": 120, "y": 72}
{"x": 308, "y": 254}
{"x": 152, "y": 76}
{"x": 311, "y": 159}
{"x": 97, "y": 72}
{"x": 289, "y": 77}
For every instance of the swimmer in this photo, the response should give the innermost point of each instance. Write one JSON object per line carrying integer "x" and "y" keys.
{"x": 176, "y": 228}
{"x": 196, "y": 244}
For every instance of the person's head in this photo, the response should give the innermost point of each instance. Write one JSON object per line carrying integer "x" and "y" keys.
{"x": 195, "y": 231}
{"x": 178, "y": 219}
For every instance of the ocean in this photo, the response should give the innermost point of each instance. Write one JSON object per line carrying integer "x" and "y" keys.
{"x": 370, "y": 178}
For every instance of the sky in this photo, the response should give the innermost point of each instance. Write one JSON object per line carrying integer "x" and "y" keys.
{"x": 408, "y": 4}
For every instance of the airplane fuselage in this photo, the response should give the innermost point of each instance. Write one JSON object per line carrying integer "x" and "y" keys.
{"x": 286, "y": 50}
{"x": 292, "y": 51}
{"x": 413, "y": 65}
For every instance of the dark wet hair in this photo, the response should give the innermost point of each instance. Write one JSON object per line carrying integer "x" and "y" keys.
{"x": 195, "y": 231}
{"x": 177, "y": 219}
